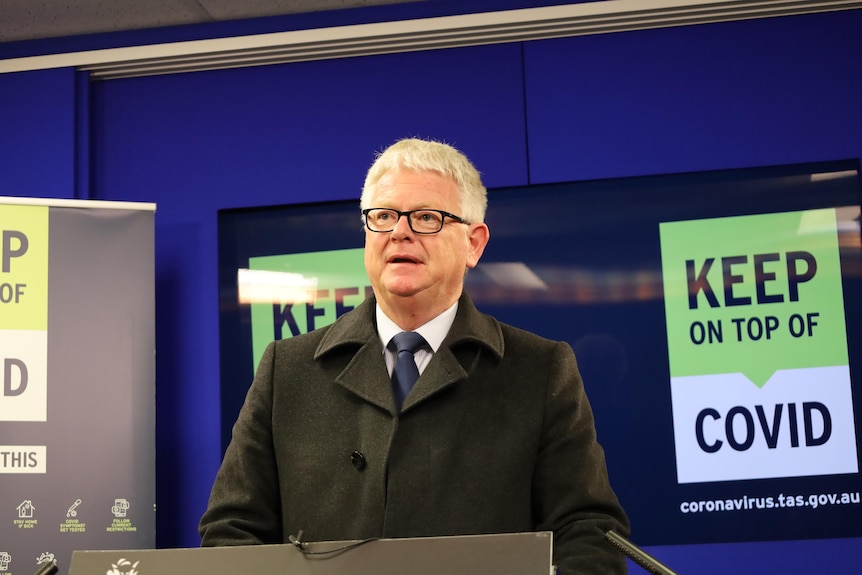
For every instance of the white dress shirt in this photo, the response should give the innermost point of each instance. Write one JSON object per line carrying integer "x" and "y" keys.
{"x": 433, "y": 331}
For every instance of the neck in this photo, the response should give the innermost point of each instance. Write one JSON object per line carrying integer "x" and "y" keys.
{"x": 409, "y": 313}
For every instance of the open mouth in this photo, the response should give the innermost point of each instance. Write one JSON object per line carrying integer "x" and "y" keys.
{"x": 403, "y": 260}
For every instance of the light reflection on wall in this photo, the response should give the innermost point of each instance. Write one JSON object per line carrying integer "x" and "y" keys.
{"x": 262, "y": 286}
{"x": 520, "y": 282}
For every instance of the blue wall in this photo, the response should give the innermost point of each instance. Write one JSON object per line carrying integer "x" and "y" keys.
{"x": 197, "y": 143}
{"x": 38, "y": 112}
{"x": 713, "y": 96}
{"x": 736, "y": 94}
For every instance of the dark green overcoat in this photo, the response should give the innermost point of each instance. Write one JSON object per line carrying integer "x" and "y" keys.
{"x": 496, "y": 436}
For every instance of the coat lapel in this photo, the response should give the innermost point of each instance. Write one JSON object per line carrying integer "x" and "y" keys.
{"x": 472, "y": 334}
{"x": 353, "y": 339}
{"x": 443, "y": 370}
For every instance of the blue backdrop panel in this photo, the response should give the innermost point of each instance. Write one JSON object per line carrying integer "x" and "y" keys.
{"x": 737, "y": 94}
{"x": 196, "y": 143}
{"x": 265, "y": 134}
{"x": 729, "y": 95}
{"x": 37, "y": 126}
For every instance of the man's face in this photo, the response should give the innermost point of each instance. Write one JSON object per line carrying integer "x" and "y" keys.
{"x": 408, "y": 269}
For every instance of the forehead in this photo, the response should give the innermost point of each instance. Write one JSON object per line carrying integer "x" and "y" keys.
{"x": 425, "y": 188}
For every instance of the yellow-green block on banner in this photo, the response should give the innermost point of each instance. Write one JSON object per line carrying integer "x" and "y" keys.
{"x": 23, "y": 267}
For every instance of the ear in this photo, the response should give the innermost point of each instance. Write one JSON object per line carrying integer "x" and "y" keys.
{"x": 477, "y": 237}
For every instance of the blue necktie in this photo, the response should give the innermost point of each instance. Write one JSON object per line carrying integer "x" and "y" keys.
{"x": 405, "y": 373}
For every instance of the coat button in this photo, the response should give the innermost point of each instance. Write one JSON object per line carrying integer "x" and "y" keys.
{"x": 358, "y": 460}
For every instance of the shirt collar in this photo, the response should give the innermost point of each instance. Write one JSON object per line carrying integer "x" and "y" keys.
{"x": 434, "y": 331}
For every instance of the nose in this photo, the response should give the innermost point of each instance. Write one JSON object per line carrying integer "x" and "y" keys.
{"x": 402, "y": 226}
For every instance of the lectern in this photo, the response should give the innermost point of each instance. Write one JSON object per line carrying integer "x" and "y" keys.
{"x": 497, "y": 554}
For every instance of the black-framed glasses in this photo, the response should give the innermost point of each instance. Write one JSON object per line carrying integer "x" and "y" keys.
{"x": 420, "y": 221}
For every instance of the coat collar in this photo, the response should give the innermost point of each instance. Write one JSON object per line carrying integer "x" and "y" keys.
{"x": 365, "y": 375}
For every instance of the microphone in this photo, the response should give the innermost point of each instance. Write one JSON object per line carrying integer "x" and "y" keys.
{"x": 297, "y": 541}
{"x": 47, "y": 568}
{"x": 638, "y": 555}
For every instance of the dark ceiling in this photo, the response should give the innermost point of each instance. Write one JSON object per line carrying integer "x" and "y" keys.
{"x": 39, "y": 19}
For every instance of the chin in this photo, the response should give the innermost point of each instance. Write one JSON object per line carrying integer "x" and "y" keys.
{"x": 402, "y": 293}
{"x": 401, "y": 289}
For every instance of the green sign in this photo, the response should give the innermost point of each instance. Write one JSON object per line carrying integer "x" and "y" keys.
{"x": 292, "y": 294}
{"x": 753, "y": 294}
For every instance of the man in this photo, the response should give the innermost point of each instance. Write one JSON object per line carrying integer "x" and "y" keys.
{"x": 496, "y": 435}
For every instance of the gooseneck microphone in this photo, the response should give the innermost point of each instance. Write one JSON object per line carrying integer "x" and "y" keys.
{"x": 47, "y": 568}
{"x": 638, "y": 555}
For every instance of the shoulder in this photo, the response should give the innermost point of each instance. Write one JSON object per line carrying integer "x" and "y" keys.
{"x": 472, "y": 325}
{"x": 522, "y": 336}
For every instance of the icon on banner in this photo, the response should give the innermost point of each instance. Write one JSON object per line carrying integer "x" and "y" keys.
{"x": 5, "y": 560}
{"x": 120, "y": 507}
{"x": 26, "y": 509}
{"x": 46, "y": 557}
{"x": 124, "y": 567}
{"x": 72, "y": 512}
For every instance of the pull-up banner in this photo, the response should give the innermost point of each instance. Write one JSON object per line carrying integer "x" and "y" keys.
{"x": 77, "y": 380}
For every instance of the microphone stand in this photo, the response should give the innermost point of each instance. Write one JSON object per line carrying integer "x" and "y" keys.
{"x": 638, "y": 555}
{"x": 47, "y": 568}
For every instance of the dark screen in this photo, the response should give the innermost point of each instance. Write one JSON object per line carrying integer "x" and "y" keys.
{"x": 582, "y": 262}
